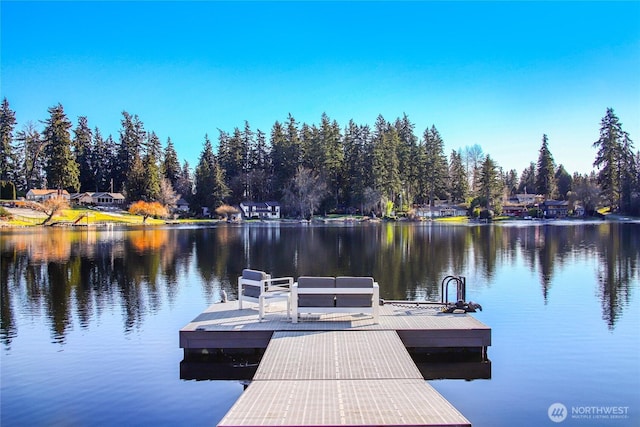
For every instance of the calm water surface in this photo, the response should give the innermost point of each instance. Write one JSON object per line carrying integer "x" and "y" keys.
{"x": 90, "y": 319}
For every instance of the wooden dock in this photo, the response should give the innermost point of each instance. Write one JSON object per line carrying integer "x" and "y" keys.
{"x": 223, "y": 326}
{"x": 331, "y": 370}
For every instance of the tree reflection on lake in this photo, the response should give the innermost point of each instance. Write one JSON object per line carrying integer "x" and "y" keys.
{"x": 64, "y": 274}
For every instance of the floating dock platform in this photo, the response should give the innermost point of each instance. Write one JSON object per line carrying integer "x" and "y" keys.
{"x": 337, "y": 369}
{"x": 223, "y": 326}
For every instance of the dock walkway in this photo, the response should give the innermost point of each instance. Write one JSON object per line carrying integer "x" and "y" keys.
{"x": 328, "y": 378}
{"x": 334, "y": 370}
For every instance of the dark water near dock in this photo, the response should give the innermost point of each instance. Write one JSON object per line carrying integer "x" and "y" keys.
{"x": 90, "y": 318}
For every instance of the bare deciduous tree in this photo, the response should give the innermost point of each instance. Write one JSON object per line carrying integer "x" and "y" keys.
{"x": 305, "y": 192}
{"x": 50, "y": 207}
{"x": 226, "y": 211}
{"x": 370, "y": 200}
{"x": 168, "y": 197}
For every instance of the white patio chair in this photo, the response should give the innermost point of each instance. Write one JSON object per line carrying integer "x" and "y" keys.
{"x": 260, "y": 288}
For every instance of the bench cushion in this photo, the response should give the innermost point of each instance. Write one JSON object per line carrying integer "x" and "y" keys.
{"x": 320, "y": 300}
{"x": 255, "y": 275}
{"x": 352, "y": 300}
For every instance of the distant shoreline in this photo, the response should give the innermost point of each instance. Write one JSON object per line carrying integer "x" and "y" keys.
{"x": 27, "y": 218}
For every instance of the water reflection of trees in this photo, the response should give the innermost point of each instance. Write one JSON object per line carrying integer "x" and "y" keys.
{"x": 408, "y": 262}
{"x": 618, "y": 268}
{"x": 615, "y": 246}
{"x": 75, "y": 276}
{"x": 78, "y": 275}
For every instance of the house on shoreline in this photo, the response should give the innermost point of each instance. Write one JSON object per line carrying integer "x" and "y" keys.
{"x": 441, "y": 210}
{"x": 519, "y": 204}
{"x": 40, "y": 195}
{"x": 260, "y": 210}
{"x": 98, "y": 199}
{"x": 555, "y": 208}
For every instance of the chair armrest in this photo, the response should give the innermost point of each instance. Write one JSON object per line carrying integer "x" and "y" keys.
{"x": 278, "y": 284}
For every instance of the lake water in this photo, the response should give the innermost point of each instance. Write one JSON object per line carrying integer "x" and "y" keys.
{"x": 90, "y": 318}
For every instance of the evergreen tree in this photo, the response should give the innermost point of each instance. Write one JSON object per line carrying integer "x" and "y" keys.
{"x": 292, "y": 148}
{"x": 615, "y": 161}
{"x": 545, "y": 172}
{"x": 635, "y": 200}
{"x": 434, "y": 173}
{"x": 219, "y": 191}
{"x": 152, "y": 179}
{"x": 184, "y": 185}
{"x": 248, "y": 142}
{"x": 311, "y": 155}
{"x": 7, "y": 191}
{"x": 103, "y": 161}
{"x": 527, "y": 183}
{"x": 354, "y": 171}
{"x": 358, "y": 166}
{"x": 261, "y": 156}
{"x": 136, "y": 188}
{"x": 16, "y": 179}
{"x": 152, "y": 176}
{"x": 332, "y": 156}
{"x": 278, "y": 160}
{"x": 563, "y": 182}
{"x": 260, "y": 175}
{"x": 153, "y": 147}
{"x": 285, "y": 154}
{"x": 61, "y": 166}
{"x": 132, "y": 139}
{"x": 31, "y": 159}
{"x": 459, "y": 186}
{"x": 511, "y": 183}
{"x": 83, "y": 149}
{"x": 408, "y": 153}
{"x": 490, "y": 186}
{"x": 386, "y": 176}
{"x": 629, "y": 185}
{"x": 171, "y": 165}
{"x": 233, "y": 159}
{"x": 210, "y": 188}
{"x": 7, "y": 124}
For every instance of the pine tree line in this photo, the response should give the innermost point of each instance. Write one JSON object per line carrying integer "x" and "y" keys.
{"x": 309, "y": 167}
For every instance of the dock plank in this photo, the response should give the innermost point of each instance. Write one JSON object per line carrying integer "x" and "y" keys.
{"x": 336, "y": 355}
{"x": 409, "y": 402}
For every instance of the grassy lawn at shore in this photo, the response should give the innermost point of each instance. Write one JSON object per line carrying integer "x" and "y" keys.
{"x": 22, "y": 217}
{"x": 453, "y": 219}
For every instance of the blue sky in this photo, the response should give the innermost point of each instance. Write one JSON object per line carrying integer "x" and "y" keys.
{"x": 497, "y": 74}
